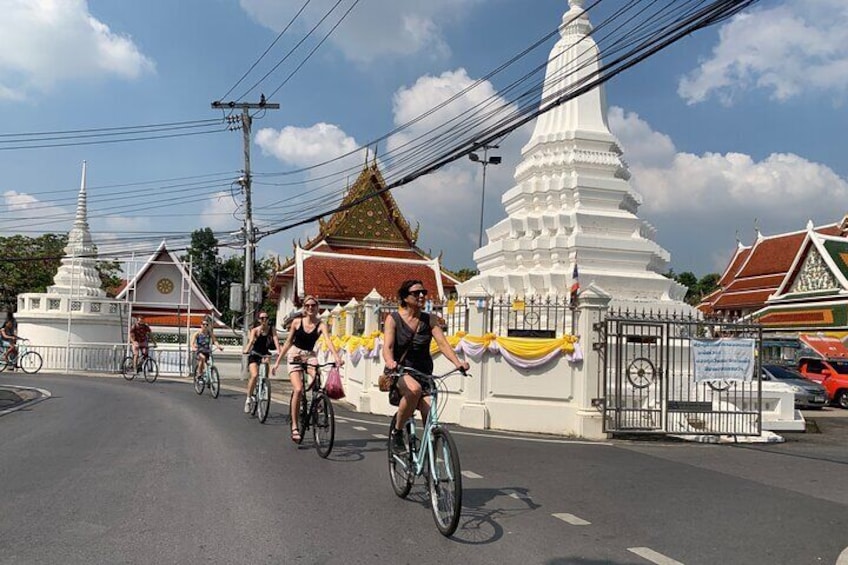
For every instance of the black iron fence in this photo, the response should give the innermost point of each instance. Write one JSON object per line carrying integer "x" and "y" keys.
{"x": 530, "y": 316}
{"x": 648, "y": 375}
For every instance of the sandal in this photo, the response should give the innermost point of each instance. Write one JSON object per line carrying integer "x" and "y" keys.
{"x": 295, "y": 435}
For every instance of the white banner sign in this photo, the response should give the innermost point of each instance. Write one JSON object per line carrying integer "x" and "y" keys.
{"x": 727, "y": 359}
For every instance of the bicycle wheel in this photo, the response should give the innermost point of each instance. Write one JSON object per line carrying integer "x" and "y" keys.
{"x": 150, "y": 369}
{"x": 30, "y": 362}
{"x": 263, "y": 399}
{"x": 214, "y": 382}
{"x": 323, "y": 425}
{"x": 199, "y": 384}
{"x": 127, "y": 368}
{"x": 445, "y": 483}
{"x": 257, "y": 392}
{"x": 400, "y": 466}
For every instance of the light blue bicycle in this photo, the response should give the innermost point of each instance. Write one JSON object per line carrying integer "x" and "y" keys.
{"x": 435, "y": 456}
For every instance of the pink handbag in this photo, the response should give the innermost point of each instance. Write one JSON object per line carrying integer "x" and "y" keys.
{"x": 334, "y": 387}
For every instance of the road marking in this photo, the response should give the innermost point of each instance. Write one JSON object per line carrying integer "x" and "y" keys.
{"x": 342, "y": 420}
{"x": 471, "y": 475}
{"x": 515, "y": 494}
{"x": 360, "y": 428}
{"x": 654, "y": 557}
{"x": 571, "y": 519}
{"x": 843, "y": 557}
{"x": 380, "y": 436}
{"x": 45, "y": 394}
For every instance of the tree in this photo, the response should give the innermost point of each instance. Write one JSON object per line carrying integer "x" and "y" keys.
{"x": 697, "y": 288}
{"x": 465, "y": 273}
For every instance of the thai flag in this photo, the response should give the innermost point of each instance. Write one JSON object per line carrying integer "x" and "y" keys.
{"x": 575, "y": 285}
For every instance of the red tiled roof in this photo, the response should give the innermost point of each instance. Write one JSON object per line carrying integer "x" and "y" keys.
{"x": 382, "y": 252}
{"x": 334, "y": 278}
{"x": 772, "y": 255}
{"x": 735, "y": 301}
{"x": 174, "y": 320}
{"x": 731, "y": 270}
{"x": 753, "y": 283}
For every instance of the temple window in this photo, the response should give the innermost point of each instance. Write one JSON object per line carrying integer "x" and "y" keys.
{"x": 53, "y": 303}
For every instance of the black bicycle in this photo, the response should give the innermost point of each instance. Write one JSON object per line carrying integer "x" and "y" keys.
{"x": 146, "y": 365}
{"x": 318, "y": 412}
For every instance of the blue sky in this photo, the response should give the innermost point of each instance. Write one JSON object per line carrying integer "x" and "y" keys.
{"x": 738, "y": 125}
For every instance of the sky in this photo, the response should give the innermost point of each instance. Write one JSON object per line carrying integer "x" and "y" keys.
{"x": 735, "y": 128}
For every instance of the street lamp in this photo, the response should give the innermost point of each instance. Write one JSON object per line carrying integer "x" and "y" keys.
{"x": 485, "y": 161}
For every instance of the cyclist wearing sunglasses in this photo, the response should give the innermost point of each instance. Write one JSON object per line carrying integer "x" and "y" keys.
{"x": 407, "y": 335}
{"x": 201, "y": 343}
{"x": 262, "y": 340}
{"x": 300, "y": 345}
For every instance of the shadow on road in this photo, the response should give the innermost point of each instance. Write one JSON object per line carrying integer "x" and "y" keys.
{"x": 352, "y": 450}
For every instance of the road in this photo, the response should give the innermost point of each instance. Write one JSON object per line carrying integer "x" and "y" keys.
{"x": 109, "y": 471}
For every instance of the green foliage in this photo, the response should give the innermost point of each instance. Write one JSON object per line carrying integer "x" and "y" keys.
{"x": 215, "y": 274}
{"x": 465, "y": 273}
{"x": 29, "y": 264}
{"x": 697, "y": 288}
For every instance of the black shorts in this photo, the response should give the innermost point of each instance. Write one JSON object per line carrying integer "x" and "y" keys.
{"x": 251, "y": 359}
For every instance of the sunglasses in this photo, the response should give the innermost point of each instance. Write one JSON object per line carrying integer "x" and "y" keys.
{"x": 421, "y": 292}
{"x": 263, "y": 318}
{"x": 310, "y": 305}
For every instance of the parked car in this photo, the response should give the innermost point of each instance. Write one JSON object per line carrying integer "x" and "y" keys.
{"x": 831, "y": 373}
{"x": 808, "y": 394}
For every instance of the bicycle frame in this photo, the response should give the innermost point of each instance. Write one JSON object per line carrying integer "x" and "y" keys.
{"x": 421, "y": 456}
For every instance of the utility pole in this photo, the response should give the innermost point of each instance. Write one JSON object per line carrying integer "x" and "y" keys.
{"x": 245, "y": 181}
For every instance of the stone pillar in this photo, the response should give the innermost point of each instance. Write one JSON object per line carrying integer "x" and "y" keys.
{"x": 588, "y": 386}
{"x": 474, "y": 413}
{"x": 350, "y": 310}
{"x": 372, "y": 311}
{"x": 336, "y": 313}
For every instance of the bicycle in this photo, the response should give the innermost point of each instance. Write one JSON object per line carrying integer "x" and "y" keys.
{"x": 210, "y": 378}
{"x": 436, "y": 457}
{"x": 147, "y": 365}
{"x": 318, "y": 412}
{"x": 260, "y": 400}
{"x": 27, "y": 361}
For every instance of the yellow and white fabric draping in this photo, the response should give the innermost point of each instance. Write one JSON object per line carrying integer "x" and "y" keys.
{"x": 520, "y": 352}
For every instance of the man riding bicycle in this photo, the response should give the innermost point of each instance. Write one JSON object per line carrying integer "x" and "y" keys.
{"x": 139, "y": 340}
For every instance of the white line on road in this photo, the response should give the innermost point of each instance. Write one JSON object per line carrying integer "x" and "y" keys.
{"x": 571, "y": 519}
{"x": 360, "y": 428}
{"x": 653, "y": 556}
{"x": 843, "y": 557}
{"x": 515, "y": 494}
{"x": 471, "y": 475}
{"x": 380, "y": 436}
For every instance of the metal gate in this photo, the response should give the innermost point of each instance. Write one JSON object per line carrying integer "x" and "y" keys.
{"x": 649, "y": 385}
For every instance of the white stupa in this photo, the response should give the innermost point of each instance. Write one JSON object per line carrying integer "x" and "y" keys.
{"x": 572, "y": 200}
{"x": 75, "y": 311}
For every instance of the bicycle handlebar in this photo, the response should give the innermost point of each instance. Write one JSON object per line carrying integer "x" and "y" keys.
{"x": 400, "y": 370}
{"x": 307, "y": 364}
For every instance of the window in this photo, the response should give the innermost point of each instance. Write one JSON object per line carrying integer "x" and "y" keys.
{"x": 53, "y": 303}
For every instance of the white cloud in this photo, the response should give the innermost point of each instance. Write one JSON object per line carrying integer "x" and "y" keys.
{"x": 24, "y": 211}
{"x": 695, "y": 200}
{"x": 303, "y": 147}
{"x": 374, "y": 29}
{"x": 786, "y": 49}
{"x": 219, "y": 211}
{"x": 46, "y": 42}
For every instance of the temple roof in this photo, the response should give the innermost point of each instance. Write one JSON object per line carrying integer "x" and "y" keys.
{"x": 759, "y": 271}
{"x": 376, "y": 221}
{"x": 368, "y": 246}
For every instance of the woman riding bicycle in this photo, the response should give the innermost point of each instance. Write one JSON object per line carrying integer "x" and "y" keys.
{"x": 262, "y": 340}
{"x": 201, "y": 343}
{"x": 407, "y": 334}
{"x": 9, "y": 340}
{"x": 300, "y": 346}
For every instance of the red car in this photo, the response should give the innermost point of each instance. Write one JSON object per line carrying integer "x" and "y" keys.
{"x": 831, "y": 373}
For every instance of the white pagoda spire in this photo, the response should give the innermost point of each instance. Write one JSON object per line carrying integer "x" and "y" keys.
{"x": 572, "y": 197}
{"x": 77, "y": 275}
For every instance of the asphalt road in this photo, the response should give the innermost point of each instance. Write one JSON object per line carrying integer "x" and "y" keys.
{"x": 109, "y": 471}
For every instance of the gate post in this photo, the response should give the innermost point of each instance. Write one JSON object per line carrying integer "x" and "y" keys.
{"x": 474, "y": 413}
{"x": 588, "y": 385}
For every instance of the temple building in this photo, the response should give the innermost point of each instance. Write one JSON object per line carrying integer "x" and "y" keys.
{"x": 367, "y": 247}
{"x": 572, "y": 202}
{"x": 789, "y": 282}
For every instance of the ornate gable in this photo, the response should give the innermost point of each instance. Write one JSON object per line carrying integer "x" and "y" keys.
{"x": 376, "y": 221}
{"x": 814, "y": 275}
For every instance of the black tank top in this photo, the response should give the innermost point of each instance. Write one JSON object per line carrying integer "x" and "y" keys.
{"x": 419, "y": 352}
{"x": 304, "y": 340}
{"x": 263, "y": 344}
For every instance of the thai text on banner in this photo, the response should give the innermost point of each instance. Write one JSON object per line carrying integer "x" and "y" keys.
{"x": 730, "y": 359}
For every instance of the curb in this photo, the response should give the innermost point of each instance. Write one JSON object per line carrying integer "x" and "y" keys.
{"x": 26, "y": 396}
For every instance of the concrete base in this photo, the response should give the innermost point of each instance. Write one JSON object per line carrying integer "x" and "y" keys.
{"x": 474, "y": 415}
